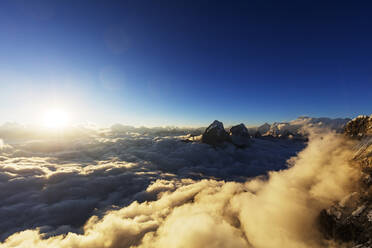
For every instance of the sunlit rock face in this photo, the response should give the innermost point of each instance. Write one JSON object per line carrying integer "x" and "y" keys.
{"x": 239, "y": 135}
{"x": 359, "y": 127}
{"x": 215, "y": 134}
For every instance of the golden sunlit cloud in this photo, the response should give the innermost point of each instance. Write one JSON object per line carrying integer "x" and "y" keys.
{"x": 56, "y": 118}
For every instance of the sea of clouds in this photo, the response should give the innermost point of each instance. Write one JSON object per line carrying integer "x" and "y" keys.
{"x": 140, "y": 187}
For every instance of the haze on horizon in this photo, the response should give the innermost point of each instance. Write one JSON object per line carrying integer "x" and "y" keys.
{"x": 184, "y": 63}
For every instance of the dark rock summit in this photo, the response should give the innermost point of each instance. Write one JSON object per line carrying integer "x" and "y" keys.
{"x": 215, "y": 134}
{"x": 239, "y": 135}
{"x": 239, "y": 130}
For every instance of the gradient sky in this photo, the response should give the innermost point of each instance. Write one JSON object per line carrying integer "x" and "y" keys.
{"x": 185, "y": 62}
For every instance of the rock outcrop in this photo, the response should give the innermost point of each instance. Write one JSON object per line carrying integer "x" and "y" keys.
{"x": 348, "y": 221}
{"x": 215, "y": 134}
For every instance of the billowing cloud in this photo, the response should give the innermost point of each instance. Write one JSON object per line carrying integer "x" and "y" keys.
{"x": 132, "y": 189}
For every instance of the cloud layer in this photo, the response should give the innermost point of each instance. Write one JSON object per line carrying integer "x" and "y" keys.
{"x": 115, "y": 188}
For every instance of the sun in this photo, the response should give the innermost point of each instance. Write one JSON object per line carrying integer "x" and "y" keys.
{"x": 56, "y": 118}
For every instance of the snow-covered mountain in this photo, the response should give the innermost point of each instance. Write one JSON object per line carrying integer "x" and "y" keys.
{"x": 299, "y": 126}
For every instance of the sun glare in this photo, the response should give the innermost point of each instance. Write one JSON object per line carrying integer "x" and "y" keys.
{"x": 56, "y": 118}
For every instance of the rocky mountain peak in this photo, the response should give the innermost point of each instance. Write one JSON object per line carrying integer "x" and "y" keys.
{"x": 215, "y": 125}
{"x": 215, "y": 134}
{"x": 359, "y": 127}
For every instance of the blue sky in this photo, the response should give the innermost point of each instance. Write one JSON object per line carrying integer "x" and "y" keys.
{"x": 185, "y": 62}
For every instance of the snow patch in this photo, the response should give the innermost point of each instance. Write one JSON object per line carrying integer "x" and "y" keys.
{"x": 347, "y": 200}
{"x": 369, "y": 216}
{"x": 358, "y": 211}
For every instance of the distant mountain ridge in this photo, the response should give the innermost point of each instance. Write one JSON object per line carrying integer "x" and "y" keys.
{"x": 294, "y": 128}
